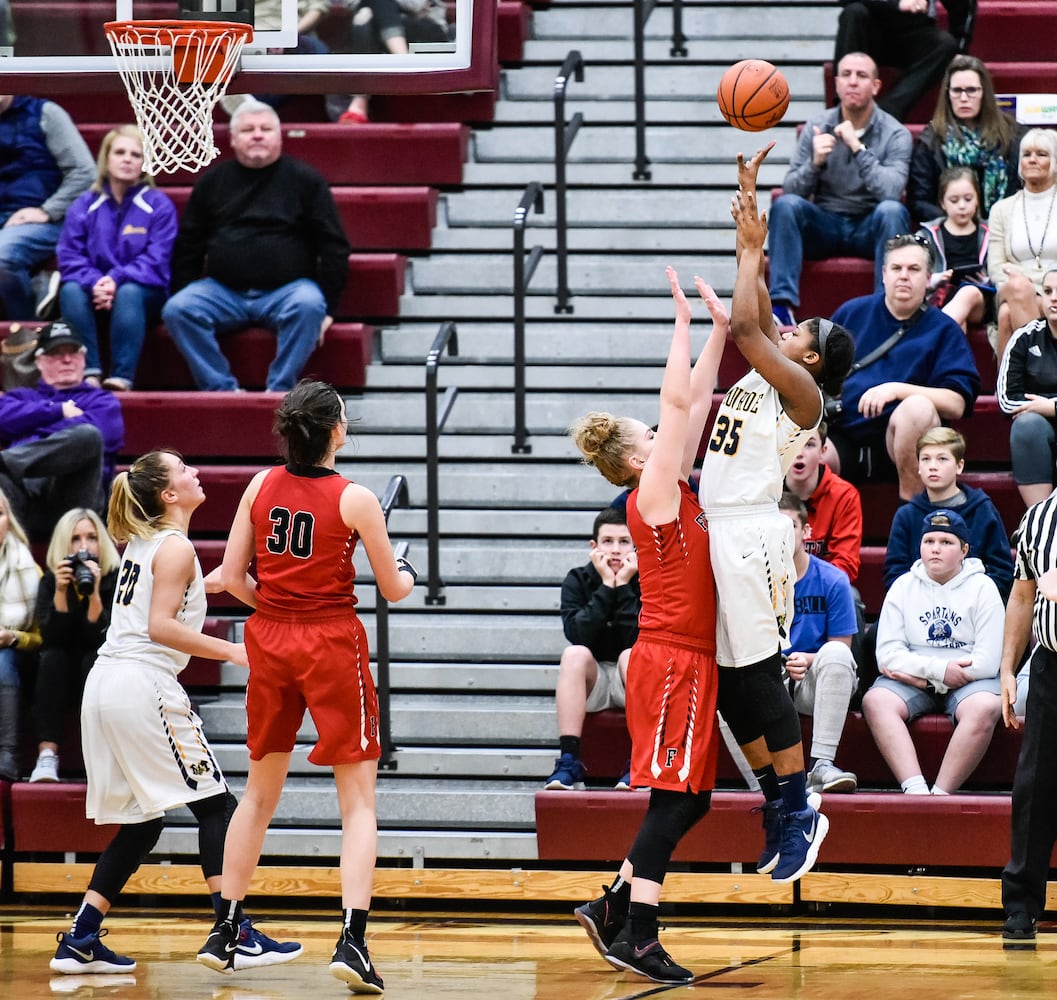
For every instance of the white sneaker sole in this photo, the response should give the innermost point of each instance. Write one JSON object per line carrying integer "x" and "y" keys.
{"x": 355, "y": 982}
{"x": 265, "y": 958}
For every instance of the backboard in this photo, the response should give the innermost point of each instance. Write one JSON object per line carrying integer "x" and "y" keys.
{"x": 57, "y": 44}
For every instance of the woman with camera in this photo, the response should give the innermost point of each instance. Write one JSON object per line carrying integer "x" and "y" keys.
{"x": 73, "y": 609}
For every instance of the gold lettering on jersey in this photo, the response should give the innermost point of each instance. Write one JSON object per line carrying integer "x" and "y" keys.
{"x": 743, "y": 400}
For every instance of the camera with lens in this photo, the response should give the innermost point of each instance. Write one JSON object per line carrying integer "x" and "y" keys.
{"x": 833, "y": 411}
{"x": 83, "y": 577}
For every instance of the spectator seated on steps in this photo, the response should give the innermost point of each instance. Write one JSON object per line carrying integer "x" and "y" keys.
{"x": 44, "y": 166}
{"x": 60, "y": 438}
{"x": 913, "y": 369}
{"x": 841, "y": 192}
{"x": 939, "y": 646}
{"x": 600, "y": 615}
{"x": 266, "y": 230}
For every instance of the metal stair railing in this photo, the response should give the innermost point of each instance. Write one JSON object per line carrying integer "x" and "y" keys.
{"x": 564, "y": 134}
{"x": 523, "y": 272}
{"x": 643, "y": 10}
{"x": 446, "y": 339}
{"x": 395, "y": 493}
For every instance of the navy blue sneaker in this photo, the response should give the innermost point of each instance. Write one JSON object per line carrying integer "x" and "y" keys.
{"x": 77, "y": 956}
{"x": 255, "y": 949}
{"x": 783, "y": 315}
{"x": 1018, "y": 931}
{"x": 802, "y": 835}
{"x": 568, "y": 774}
{"x": 772, "y": 836}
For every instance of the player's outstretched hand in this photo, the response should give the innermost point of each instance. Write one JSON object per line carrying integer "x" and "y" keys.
{"x": 682, "y": 307}
{"x": 720, "y": 317}
{"x": 751, "y": 223}
{"x": 747, "y": 171}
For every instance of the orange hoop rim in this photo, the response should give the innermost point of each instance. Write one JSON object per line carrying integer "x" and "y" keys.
{"x": 148, "y": 31}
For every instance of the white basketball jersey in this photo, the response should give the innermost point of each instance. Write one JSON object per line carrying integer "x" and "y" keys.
{"x": 128, "y": 639}
{"x": 751, "y": 447}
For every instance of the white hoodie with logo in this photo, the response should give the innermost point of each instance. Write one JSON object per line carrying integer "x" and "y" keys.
{"x": 924, "y": 625}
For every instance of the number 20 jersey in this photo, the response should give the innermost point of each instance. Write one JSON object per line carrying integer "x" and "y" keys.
{"x": 304, "y": 548}
{"x": 751, "y": 446}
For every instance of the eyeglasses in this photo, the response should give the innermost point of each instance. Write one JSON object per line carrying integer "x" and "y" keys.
{"x": 965, "y": 91}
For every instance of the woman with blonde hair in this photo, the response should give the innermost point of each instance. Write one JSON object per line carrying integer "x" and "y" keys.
{"x": 19, "y": 578}
{"x": 114, "y": 257}
{"x": 73, "y": 612}
{"x": 144, "y": 749}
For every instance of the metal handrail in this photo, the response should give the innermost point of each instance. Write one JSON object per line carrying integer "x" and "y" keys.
{"x": 446, "y": 338}
{"x": 395, "y": 494}
{"x": 642, "y": 11}
{"x": 523, "y": 272}
{"x": 564, "y": 134}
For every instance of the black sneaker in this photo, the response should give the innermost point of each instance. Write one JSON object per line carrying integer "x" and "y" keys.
{"x": 1018, "y": 931}
{"x": 221, "y": 947}
{"x": 603, "y": 919}
{"x": 352, "y": 965}
{"x": 648, "y": 959}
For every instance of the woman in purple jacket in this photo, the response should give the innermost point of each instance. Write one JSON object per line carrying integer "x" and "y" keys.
{"x": 114, "y": 256}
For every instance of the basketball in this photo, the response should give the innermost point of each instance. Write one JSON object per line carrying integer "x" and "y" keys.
{"x": 753, "y": 95}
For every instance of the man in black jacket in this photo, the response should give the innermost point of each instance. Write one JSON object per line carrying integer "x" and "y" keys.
{"x": 600, "y": 615}
{"x": 267, "y": 231}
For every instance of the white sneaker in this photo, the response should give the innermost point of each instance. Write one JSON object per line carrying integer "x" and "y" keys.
{"x": 47, "y": 768}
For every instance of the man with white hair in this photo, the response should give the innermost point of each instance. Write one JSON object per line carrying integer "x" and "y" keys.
{"x": 267, "y": 231}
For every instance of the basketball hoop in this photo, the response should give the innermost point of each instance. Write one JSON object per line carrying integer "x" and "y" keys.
{"x": 175, "y": 72}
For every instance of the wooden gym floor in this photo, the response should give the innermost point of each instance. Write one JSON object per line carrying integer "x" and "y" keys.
{"x": 516, "y": 957}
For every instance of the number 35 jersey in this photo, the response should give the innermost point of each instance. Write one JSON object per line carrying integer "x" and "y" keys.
{"x": 752, "y": 444}
{"x": 304, "y": 548}
{"x": 128, "y": 637}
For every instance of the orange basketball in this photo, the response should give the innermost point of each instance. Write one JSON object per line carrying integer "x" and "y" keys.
{"x": 753, "y": 95}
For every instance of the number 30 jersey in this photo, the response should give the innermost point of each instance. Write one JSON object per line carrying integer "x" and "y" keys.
{"x": 752, "y": 444}
{"x": 128, "y": 637}
{"x": 304, "y": 548}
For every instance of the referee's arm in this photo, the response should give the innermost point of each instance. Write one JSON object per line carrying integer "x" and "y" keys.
{"x": 1015, "y": 637}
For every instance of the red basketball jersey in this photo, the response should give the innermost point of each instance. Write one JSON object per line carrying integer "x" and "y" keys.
{"x": 675, "y": 574}
{"x": 304, "y": 548}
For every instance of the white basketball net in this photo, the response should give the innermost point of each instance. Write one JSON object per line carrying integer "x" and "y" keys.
{"x": 175, "y": 72}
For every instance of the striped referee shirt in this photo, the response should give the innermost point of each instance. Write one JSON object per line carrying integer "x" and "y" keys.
{"x": 1036, "y": 554}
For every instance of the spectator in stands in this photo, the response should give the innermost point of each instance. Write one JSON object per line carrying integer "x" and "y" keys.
{"x": 913, "y": 368}
{"x": 941, "y": 459}
{"x": 938, "y": 650}
{"x": 819, "y": 660}
{"x": 1027, "y": 391}
{"x": 1032, "y": 613}
{"x": 114, "y": 255}
{"x": 959, "y": 244}
{"x": 268, "y": 232}
{"x": 834, "y": 507}
{"x": 968, "y": 129}
{"x": 44, "y": 166}
{"x": 902, "y": 34}
{"x": 19, "y": 579}
{"x": 60, "y": 438}
{"x": 1023, "y": 243}
{"x": 600, "y": 615}
{"x": 378, "y": 27}
{"x": 73, "y": 611}
{"x": 144, "y": 748}
{"x": 841, "y": 193}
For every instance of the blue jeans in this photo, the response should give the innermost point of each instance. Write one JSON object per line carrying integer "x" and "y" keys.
{"x": 8, "y": 670}
{"x": 198, "y": 314}
{"x": 799, "y": 229}
{"x": 22, "y": 250}
{"x": 133, "y": 308}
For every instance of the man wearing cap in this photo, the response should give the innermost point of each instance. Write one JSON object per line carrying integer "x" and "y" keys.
{"x": 60, "y": 438}
{"x": 939, "y": 642}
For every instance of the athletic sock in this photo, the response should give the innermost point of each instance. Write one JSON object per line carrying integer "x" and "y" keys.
{"x": 915, "y": 785}
{"x": 642, "y": 921}
{"x": 355, "y": 923}
{"x": 794, "y": 791}
{"x": 936, "y": 790}
{"x": 219, "y": 907}
{"x": 229, "y": 910}
{"x": 768, "y": 782}
{"x": 569, "y": 744}
{"x": 86, "y": 921}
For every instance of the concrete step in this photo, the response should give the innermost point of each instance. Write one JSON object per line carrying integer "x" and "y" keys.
{"x": 698, "y": 105}
{"x": 391, "y": 447}
{"x": 724, "y": 51}
{"x": 538, "y": 378}
{"x": 664, "y": 242}
{"x": 620, "y": 168}
{"x": 539, "y": 306}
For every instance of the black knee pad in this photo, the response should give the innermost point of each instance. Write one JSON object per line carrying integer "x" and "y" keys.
{"x": 123, "y": 855}
{"x": 669, "y": 816}
{"x": 213, "y": 815}
{"x": 755, "y": 701}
